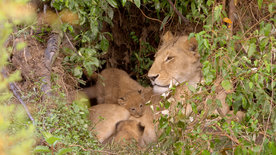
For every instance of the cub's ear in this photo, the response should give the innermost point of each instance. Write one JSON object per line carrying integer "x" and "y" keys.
{"x": 121, "y": 101}
{"x": 167, "y": 37}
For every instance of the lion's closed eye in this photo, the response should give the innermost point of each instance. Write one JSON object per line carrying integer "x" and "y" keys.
{"x": 169, "y": 58}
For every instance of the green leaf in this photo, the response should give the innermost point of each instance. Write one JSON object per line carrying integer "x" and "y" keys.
{"x": 104, "y": 44}
{"x": 266, "y": 29}
{"x": 272, "y": 146}
{"x": 110, "y": 13}
{"x": 113, "y": 3}
{"x": 217, "y": 12}
{"x": 16, "y": 76}
{"x": 210, "y": 2}
{"x": 205, "y": 152}
{"x": 157, "y": 5}
{"x": 252, "y": 49}
{"x": 226, "y": 84}
{"x": 123, "y": 2}
{"x": 263, "y": 43}
{"x": 270, "y": 7}
{"x": 194, "y": 108}
{"x": 40, "y": 149}
{"x": 52, "y": 140}
{"x": 164, "y": 22}
{"x": 77, "y": 71}
{"x": 64, "y": 151}
{"x": 193, "y": 8}
{"x": 137, "y": 3}
{"x": 260, "y": 2}
{"x": 251, "y": 85}
{"x": 20, "y": 45}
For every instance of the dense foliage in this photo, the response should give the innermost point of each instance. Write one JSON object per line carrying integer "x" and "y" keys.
{"x": 242, "y": 55}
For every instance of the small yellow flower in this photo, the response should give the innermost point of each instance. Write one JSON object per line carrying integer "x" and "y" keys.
{"x": 227, "y": 20}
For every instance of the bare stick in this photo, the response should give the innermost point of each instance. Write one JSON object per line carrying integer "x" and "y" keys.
{"x": 13, "y": 88}
{"x": 154, "y": 19}
{"x": 178, "y": 13}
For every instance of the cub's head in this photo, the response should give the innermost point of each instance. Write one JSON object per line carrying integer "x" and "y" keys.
{"x": 134, "y": 102}
{"x": 177, "y": 60}
{"x": 128, "y": 130}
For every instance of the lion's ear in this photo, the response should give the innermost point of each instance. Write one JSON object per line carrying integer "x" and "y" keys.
{"x": 167, "y": 37}
{"x": 190, "y": 45}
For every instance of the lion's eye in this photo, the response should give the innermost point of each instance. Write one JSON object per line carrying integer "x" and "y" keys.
{"x": 169, "y": 58}
{"x": 141, "y": 105}
{"x": 132, "y": 109}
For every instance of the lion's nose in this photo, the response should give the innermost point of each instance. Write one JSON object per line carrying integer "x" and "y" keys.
{"x": 152, "y": 78}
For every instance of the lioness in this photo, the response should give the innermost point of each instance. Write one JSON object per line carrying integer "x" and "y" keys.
{"x": 127, "y": 131}
{"x": 178, "y": 61}
{"x": 104, "y": 117}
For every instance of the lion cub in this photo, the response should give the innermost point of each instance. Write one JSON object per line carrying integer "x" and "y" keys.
{"x": 126, "y": 131}
{"x": 134, "y": 102}
{"x": 104, "y": 117}
{"x": 149, "y": 134}
{"x": 116, "y": 87}
{"x": 114, "y": 83}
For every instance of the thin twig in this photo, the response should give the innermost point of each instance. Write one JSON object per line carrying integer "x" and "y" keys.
{"x": 258, "y": 23}
{"x": 13, "y": 88}
{"x": 154, "y": 19}
{"x": 178, "y": 13}
{"x": 232, "y": 137}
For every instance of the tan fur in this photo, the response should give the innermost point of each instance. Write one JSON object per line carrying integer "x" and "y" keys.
{"x": 104, "y": 118}
{"x": 146, "y": 120}
{"x": 127, "y": 131}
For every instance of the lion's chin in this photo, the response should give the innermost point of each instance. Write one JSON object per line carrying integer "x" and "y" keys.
{"x": 159, "y": 89}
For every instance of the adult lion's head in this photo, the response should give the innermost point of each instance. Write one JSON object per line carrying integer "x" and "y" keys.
{"x": 177, "y": 60}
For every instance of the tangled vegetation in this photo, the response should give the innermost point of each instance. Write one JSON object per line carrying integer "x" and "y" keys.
{"x": 236, "y": 42}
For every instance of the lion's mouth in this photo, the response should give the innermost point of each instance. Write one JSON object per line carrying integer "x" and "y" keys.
{"x": 158, "y": 89}
{"x": 156, "y": 85}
